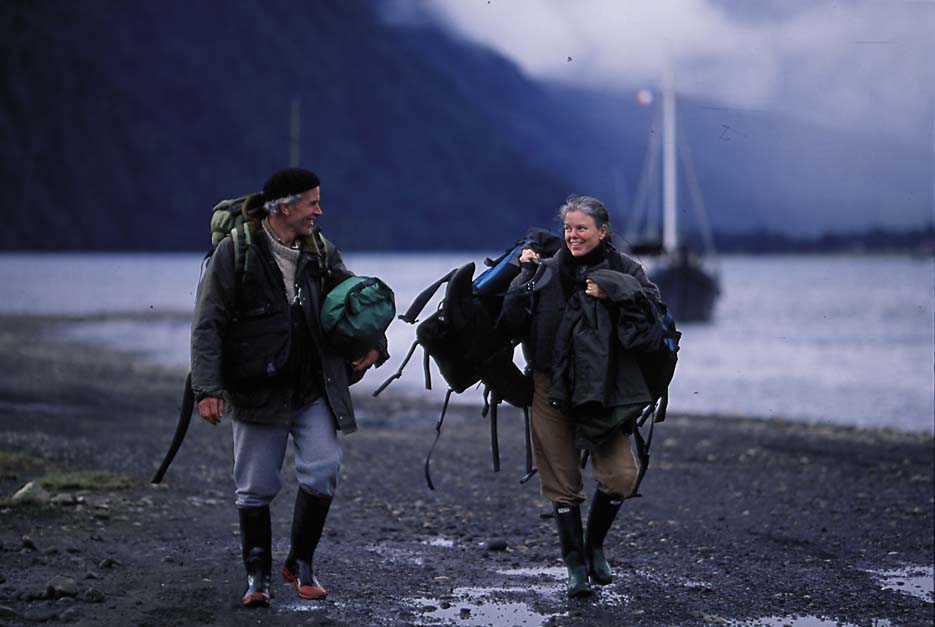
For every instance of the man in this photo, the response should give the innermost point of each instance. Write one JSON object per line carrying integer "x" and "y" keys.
{"x": 258, "y": 355}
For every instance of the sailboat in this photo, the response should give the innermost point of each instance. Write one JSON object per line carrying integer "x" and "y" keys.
{"x": 688, "y": 280}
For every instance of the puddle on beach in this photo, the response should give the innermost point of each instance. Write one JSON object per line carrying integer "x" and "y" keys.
{"x": 502, "y": 605}
{"x": 441, "y": 541}
{"x": 299, "y": 606}
{"x": 801, "y": 621}
{"x": 396, "y": 554}
{"x": 477, "y": 607}
{"x": 918, "y": 581}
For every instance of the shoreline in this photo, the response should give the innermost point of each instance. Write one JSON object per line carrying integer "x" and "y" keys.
{"x": 741, "y": 519}
{"x": 417, "y": 399}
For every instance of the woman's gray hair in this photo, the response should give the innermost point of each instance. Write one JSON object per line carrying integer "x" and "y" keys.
{"x": 589, "y": 206}
{"x": 272, "y": 206}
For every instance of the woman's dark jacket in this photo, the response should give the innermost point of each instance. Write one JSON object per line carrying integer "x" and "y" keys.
{"x": 225, "y": 301}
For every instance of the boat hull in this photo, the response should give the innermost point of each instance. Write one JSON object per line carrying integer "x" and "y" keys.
{"x": 688, "y": 290}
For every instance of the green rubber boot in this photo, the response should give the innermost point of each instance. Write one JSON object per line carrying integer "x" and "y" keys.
{"x": 604, "y": 509}
{"x": 568, "y": 521}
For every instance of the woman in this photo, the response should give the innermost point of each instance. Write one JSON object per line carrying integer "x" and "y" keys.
{"x": 587, "y": 250}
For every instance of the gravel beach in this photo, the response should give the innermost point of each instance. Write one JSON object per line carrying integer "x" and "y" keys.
{"x": 741, "y": 522}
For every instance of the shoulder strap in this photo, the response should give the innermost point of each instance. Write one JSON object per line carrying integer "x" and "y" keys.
{"x": 412, "y": 314}
{"x": 614, "y": 259}
{"x": 244, "y": 261}
{"x": 438, "y": 434}
{"x": 398, "y": 373}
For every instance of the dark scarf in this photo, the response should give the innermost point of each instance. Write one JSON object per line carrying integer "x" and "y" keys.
{"x": 569, "y": 267}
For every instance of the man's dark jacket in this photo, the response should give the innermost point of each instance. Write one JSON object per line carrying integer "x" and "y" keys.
{"x": 222, "y": 297}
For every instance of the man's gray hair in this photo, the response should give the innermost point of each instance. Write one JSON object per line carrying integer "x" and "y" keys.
{"x": 589, "y": 206}
{"x": 272, "y": 206}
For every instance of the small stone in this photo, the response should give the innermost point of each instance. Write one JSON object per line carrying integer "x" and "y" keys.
{"x": 497, "y": 545}
{"x": 69, "y": 615}
{"x": 108, "y": 563}
{"x": 53, "y": 550}
{"x": 93, "y": 595}
{"x": 28, "y": 543}
{"x": 91, "y": 575}
{"x": 61, "y": 586}
{"x": 43, "y": 615}
{"x": 444, "y": 605}
{"x": 7, "y": 612}
{"x": 64, "y": 498}
{"x": 32, "y": 492}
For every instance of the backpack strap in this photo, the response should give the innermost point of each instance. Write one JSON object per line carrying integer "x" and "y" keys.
{"x": 530, "y": 471}
{"x": 243, "y": 239}
{"x": 244, "y": 262}
{"x": 491, "y": 403}
{"x": 412, "y": 314}
{"x": 398, "y": 373}
{"x": 494, "y": 439}
{"x": 438, "y": 434}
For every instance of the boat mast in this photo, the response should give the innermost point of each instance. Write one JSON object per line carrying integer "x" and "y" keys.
{"x": 294, "y": 129}
{"x": 669, "y": 189}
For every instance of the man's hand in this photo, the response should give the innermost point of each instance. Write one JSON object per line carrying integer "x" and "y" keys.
{"x": 211, "y": 409}
{"x": 593, "y": 289}
{"x": 366, "y": 361}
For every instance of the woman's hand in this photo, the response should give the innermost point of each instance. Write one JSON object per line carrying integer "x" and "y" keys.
{"x": 366, "y": 361}
{"x": 593, "y": 289}
{"x": 528, "y": 254}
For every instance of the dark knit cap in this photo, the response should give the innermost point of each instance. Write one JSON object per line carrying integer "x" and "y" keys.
{"x": 288, "y": 182}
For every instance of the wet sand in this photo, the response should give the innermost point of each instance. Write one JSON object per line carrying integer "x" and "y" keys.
{"x": 742, "y": 521}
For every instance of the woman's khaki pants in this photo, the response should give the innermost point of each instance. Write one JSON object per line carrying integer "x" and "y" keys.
{"x": 613, "y": 465}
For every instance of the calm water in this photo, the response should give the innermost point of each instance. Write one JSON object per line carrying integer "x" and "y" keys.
{"x": 839, "y": 339}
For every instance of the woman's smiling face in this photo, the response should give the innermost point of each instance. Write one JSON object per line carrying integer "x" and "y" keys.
{"x": 581, "y": 233}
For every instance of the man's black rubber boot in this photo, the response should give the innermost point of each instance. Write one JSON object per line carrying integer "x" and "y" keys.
{"x": 256, "y": 549}
{"x": 568, "y": 521}
{"x": 308, "y": 520}
{"x": 604, "y": 509}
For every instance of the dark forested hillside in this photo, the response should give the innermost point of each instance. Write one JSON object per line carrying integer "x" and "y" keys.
{"x": 123, "y": 122}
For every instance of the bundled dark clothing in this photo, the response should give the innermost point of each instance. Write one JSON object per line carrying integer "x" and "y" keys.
{"x": 589, "y": 363}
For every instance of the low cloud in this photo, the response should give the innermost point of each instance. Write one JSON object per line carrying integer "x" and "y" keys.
{"x": 856, "y": 64}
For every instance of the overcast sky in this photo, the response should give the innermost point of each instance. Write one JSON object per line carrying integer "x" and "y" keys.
{"x": 851, "y": 64}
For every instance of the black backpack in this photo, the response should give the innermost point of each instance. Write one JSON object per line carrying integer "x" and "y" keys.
{"x": 463, "y": 339}
{"x": 657, "y": 356}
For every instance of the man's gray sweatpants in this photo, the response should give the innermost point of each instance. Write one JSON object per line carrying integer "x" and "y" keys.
{"x": 259, "y": 450}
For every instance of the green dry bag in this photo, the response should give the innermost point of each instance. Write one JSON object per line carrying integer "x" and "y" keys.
{"x": 357, "y": 312}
